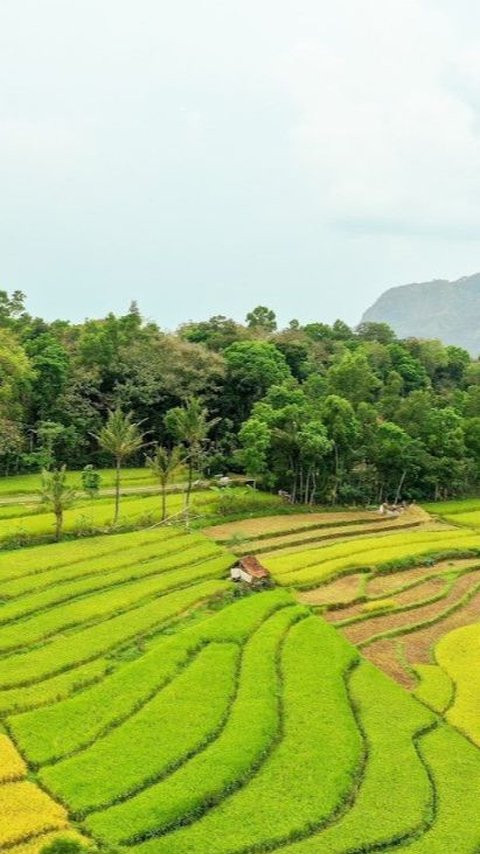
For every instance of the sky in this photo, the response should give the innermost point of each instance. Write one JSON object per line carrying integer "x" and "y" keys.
{"x": 207, "y": 156}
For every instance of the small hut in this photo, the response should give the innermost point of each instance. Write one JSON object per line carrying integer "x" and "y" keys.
{"x": 250, "y": 569}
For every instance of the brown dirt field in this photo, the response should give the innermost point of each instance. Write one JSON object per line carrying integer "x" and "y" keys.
{"x": 360, "y": 632}
{"x": 419, "y": 645}
{"x": 388, "y": 583}
{"x": 383, "y": 654}
{"x": 430, "y": 587}
{"x": 317, "y": 536}
{"x": 342, "y": 590}
{"x": 262, "y": 525}
{"x": 276, "y": 524}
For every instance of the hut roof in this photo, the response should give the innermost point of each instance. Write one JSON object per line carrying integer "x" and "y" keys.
{"x": 253, "y": 566}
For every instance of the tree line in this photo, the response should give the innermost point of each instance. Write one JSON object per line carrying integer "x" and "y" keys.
{"x": 324, "y": 412}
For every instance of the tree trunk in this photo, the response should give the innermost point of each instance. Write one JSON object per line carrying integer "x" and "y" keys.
{"x": 164, "y": 501}
{"x": 337, "y": 477}
{"x": 58, "y": 524}
{"x": 307, "y": 487}
{"x": 400, "y": 486}
{"x": 117, "y": 490}
{"x": 189, "y": 484}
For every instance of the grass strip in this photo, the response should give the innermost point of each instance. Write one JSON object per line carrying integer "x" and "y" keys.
{"x": 395, "y": 799}
{"x": 69, "y": 651}
{"x": 100, "y": 606}
{"x": 168, "y": 729}
{"x": 321, "y": 742}
{"x": 458, "y": 654}
{"x": 249, "y": 734}
{"x": 59, "y": 730}
{"x": 435, "y": 688}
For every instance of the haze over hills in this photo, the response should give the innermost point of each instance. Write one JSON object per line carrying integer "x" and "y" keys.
{"x": 440, "y": 309}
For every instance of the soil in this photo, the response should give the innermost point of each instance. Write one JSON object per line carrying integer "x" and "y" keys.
{"x": 387, "y": 584}
{"x": 384, "y": 654}
{"x": 342, "y": 590}
{"x": 360, "y": 632}
{"x": 430, "y": 587}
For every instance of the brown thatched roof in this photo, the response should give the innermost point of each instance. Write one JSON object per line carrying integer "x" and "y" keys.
{"x": 251, "y": 565}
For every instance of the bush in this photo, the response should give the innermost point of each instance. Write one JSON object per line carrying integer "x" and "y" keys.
{"x": 62, "y": 845}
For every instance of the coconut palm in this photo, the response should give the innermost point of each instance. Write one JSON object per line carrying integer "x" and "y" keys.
{"x": 190, "y": 425}
{"x": 120, "y": 437}
{"x": 163, "y": 464}
{"x": 57, "y": 495}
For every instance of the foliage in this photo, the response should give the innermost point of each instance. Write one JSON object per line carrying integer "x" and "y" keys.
{"x": 120, "y": 437}
{"x": 164, "y": 464}
{"x": 91, "y": 480}
{"x": 57, "y": 495}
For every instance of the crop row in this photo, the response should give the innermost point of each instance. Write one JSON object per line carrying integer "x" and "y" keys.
{"x": 60, "y": 576}
{"x": 60, "y": 729}
{"x": 97, "y": 515}
{"x": 311, "y": 770}
{"x": 250, "y": 732}
{"x": 131, "y": 569}
{"x": 69, "y": 651}
{"x": 264, "y": 527}
{"x": 392, "y": 773}
{"x": 166, "y": 731}
{"x": 38, "y": 559}
{"x": 310, "y": 569}
{"x": 103, "y": 605}
{"x": 310, "y": 538}
{"x": 26, "y": 812}
{"x": 458, "y": 654}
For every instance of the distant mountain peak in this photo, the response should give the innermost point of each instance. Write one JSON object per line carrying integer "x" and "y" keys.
{"x": 440, "y": 309}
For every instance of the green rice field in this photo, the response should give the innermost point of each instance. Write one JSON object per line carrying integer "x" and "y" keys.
{"x": 149, "y": 705}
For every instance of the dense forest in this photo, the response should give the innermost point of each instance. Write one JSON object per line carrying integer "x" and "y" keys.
{"x": 327, "y": 413}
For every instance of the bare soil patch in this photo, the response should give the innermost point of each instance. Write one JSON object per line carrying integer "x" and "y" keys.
{"x": 262, "y": 525}
{"x": 384, "y": 655}
{"x": 388, "y": 584}
{"x": 340, "y": 591}
{"x": 322, "y": 534}
{"x": 419, "y": 645}
{"x": 428, "y": 588}
{"x": 361, "y": 632}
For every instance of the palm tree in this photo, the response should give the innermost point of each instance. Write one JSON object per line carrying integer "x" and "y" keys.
{"x": 57, "y": 495}
{"x": 163, "y": 465}
{"x": 190, "y": 425}
{"x": 120, "y": 437}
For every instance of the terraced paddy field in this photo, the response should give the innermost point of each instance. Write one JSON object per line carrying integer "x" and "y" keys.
{"x": 147, "y": 706}
{"x": 30, "y": 521}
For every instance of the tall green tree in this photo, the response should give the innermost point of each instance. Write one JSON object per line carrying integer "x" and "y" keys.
{"x": 343, "y": 430}
{"x": 190, "y": 425}
{"x": 262, "y": 320}
{"x": 255, "y": 440}
{"x": 120, "y": 437}
{"x": 57, "y": 495}
{"x": 163, "y": 464}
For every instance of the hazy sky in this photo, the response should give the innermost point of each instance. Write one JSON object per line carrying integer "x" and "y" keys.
{"x": 204, "y": 156}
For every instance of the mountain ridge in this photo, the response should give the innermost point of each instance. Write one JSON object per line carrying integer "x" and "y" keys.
{"x": 448, "y": 310}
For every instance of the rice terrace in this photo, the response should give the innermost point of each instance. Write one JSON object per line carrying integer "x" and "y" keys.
{"x": 150, "y": 704}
